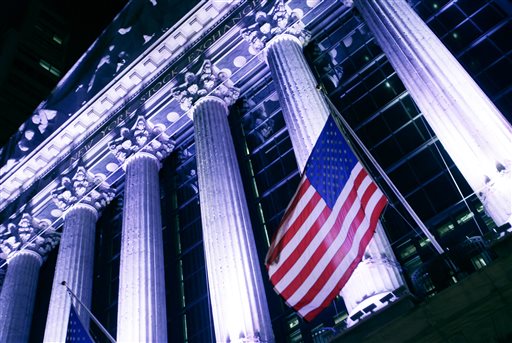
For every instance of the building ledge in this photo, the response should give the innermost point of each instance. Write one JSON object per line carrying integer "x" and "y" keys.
{"x": 476, "y": 309}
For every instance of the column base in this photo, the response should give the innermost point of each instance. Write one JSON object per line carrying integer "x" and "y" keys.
{"x": 368, "y": 306}
{"x": 497, "y": 198}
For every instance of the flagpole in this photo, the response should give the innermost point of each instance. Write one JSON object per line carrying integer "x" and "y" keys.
{"x": 395, "y": 190}
{"x": 70, "y": 292}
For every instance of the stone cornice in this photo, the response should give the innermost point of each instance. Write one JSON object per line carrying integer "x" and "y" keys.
{"x": 87, "y": 120}
{"x": 211, "y": 31}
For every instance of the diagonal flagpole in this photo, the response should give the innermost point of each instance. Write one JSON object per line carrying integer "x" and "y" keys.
{"x": 419, "y": 222}
{"x": 70, "y": 292}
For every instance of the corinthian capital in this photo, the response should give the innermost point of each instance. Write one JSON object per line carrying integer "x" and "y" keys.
{"x": 83, "y": 187}
{"x": 30, "y": 234}
{"x": 144, "y": 137}
{"x": 279, "y": 19}
{"x": 208, "y": 81}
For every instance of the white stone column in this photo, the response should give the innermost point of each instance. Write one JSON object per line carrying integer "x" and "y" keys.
{"x": 75, "y": 260}
{"x": 472, "y": 130}
{"x": 141, "y": 313}
{"x": 304, "y": 109}
{"x": 237, "y": 294}
{"x": 75, "y": 263}
{"x": 20, "y": 284}
{"x": 305, "y": 112}
{"x": 18, "y": 295}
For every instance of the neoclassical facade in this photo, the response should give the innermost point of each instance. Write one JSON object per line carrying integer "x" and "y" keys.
{"x": 161, "y": 172}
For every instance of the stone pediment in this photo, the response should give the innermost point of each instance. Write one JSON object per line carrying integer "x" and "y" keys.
{"x": 143, "y": 88}
{"x": 34, "y": 161}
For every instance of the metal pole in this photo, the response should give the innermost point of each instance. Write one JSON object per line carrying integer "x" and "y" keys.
{"x": 111, "y": 339}
{"x": 390, "y": 183}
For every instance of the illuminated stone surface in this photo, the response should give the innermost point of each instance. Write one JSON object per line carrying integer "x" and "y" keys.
{"x": 18, "y": 296}
{"x": 19, "y": 288}
{"x": 304, "y": 109}
{"x": 376, "y": 275}
{"x": 141, "y": 312}
{"x": 207, "y": 81}
{"x": 239, "y": 304}
{"x": 144, "y": 137}
{"x": 81, "y": 196}
{"x": 279, "y": 19}
{"x": 145, "y": 87}
{"x": 470, "y": 127}
{"x": 141, "y": 317}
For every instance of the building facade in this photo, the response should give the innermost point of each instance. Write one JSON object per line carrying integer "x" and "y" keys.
{"x": 177, "y": 141}
{"x": 40, "y": 40}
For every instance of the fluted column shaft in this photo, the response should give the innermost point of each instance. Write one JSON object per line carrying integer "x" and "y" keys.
{"x": 18, "y": 296}
{"x": 470, "y": 127}
{"x": 239, "y": 305}
{"x": 142, "y": 308}
{"x": 305, "y": 112}
{"x": 304, "y": 109}
{"x": 75, "y": 263}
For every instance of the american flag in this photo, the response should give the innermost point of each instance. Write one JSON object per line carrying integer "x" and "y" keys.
{"x": 76, "y": 331}
{"x": 326, "y": 227}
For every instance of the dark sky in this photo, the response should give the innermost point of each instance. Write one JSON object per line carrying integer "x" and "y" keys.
{"x": 84, "y": 21}
{"x": 88, "y": 19}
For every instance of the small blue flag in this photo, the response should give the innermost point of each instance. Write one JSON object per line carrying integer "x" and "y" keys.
{"x": 76, "y": 330}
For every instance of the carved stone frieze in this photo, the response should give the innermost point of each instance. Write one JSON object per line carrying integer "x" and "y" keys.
{"x": 83, "y": 187}
{"x": 31, "y": 234}
{"x": 279, "y": 19}
{"x": 144, "y": 137}
{"x": 208, "y": 81}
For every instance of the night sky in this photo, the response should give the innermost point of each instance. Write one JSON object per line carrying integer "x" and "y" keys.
{"x": 86, "y": 21}
{"x": 89, "y": 19}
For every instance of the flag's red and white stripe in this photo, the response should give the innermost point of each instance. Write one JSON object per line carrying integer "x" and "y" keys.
{"x": 317, "y": 248}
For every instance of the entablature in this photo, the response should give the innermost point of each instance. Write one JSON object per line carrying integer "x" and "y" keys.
{"x": 145, "y": 88}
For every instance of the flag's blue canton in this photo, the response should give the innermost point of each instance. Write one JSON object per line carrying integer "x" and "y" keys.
{"x": 76, "y": 331}
{"x": 330, "y": 163}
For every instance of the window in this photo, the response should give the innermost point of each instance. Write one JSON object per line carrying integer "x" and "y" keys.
{"x": 293, "y": 322}
{"x": 322, "y": 334}
{"x": 46, "y": 65}
{"x": 424, "y": 241}
{"x": 465, "y": 217}
{"x": 478, "y": 262}
{"x": 407, "y": 251}
{"x": 443, "y": 230}
{"x": 57, "y": 39}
